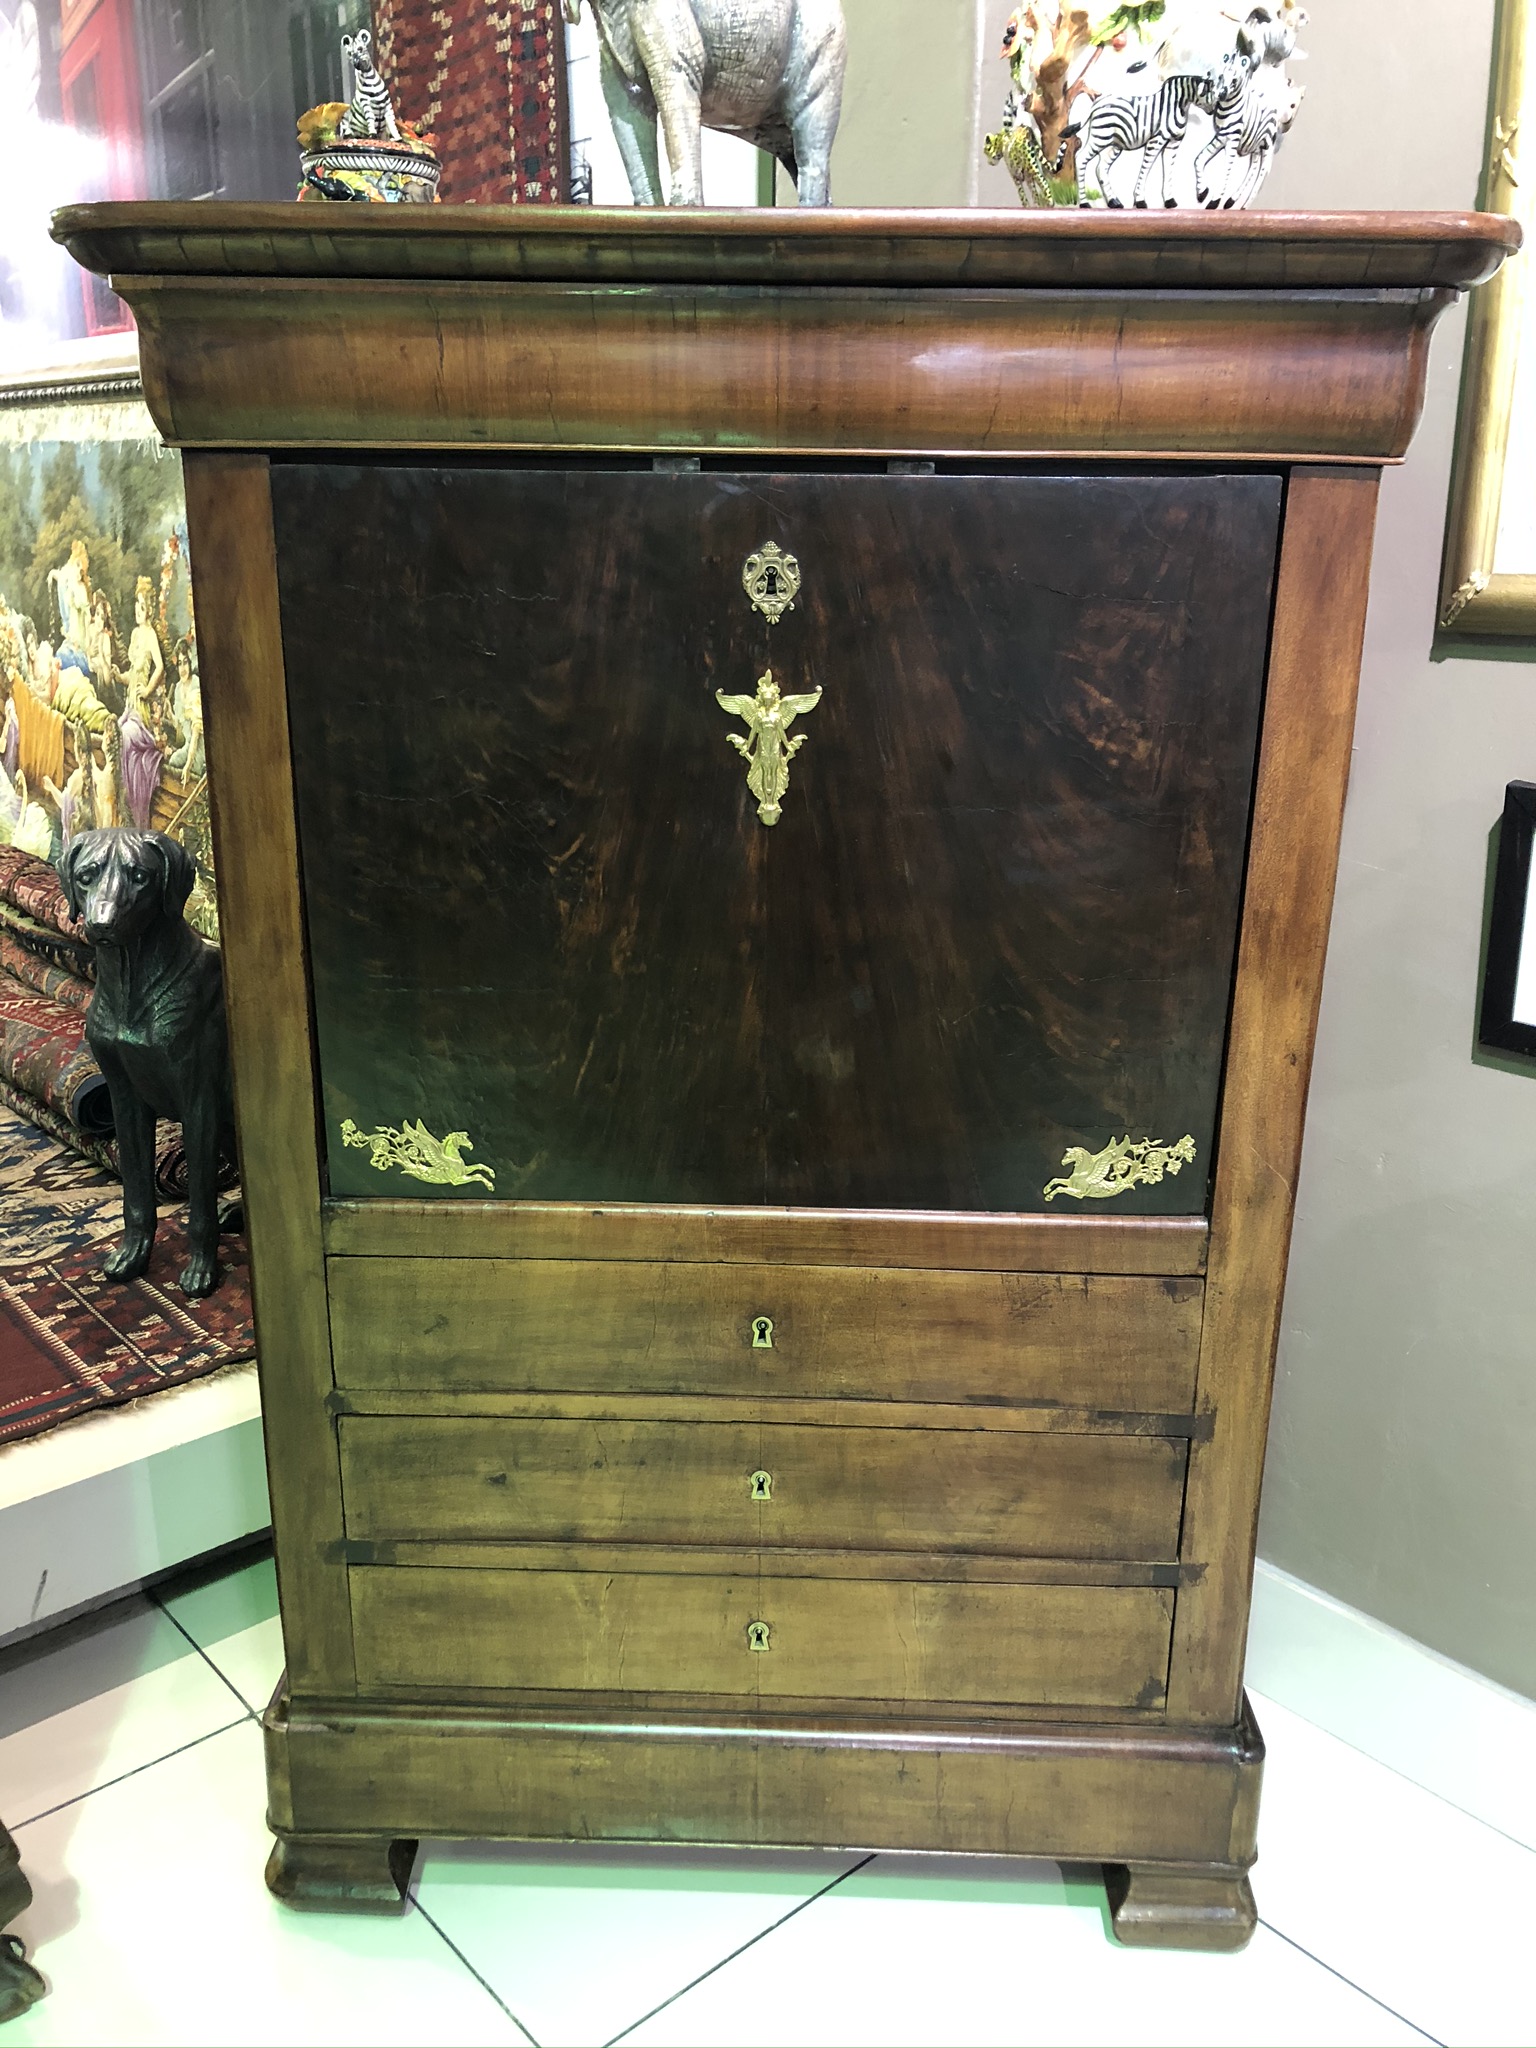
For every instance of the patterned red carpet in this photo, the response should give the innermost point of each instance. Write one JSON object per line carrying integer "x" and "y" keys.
{"x": 71, "y": 1340}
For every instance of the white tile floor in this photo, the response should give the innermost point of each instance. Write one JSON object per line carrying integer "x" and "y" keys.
{"x": 130, "y": 1773}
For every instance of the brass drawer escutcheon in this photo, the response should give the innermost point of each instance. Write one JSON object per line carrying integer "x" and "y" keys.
{"x": 757, "y": 1637}
{"x": 762, "y": 1333}
{"x": 762, "y": 1486}
{"x": 772, "y": 580}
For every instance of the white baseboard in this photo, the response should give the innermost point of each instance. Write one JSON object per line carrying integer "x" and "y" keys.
{"x": 99, "y": 1505}
{"x": 1447, "y": 1728}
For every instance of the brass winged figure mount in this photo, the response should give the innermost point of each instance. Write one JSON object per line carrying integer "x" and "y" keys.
{"x": 767, "y": 748}
{"x": 771, "y": 579}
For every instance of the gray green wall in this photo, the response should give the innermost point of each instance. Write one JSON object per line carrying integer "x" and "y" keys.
{"x": 1402, "y": 1468}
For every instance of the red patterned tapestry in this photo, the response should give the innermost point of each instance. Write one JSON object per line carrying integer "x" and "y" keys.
{"x": 44, "y": 943}
{"x": 48, "y": 976}
{"x": 43, "y": 1052}
{"x": 70, "y": 1340}
{"x": 487, "y": 80}
{"x": 33, "y": 887}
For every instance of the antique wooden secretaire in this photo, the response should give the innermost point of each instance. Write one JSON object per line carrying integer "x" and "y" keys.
{"x": 777, "y": 783}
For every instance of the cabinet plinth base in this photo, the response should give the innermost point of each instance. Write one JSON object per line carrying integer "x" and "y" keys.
{"x": 1171, "y": 1810}
{"x": 1181, "y": 1905}
{"x": 341, "y": 1873}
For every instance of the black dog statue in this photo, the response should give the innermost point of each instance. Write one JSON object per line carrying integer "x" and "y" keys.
{"x": 156, "y": 1025}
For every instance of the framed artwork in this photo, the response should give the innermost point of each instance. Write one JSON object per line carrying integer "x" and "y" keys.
{"x": 101, "y": 719}
{"x": 1508, "y": 1020}
{"x": 1488, "y": 585}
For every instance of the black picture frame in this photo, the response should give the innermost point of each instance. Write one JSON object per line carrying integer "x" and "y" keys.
{"x": 1508, "y": 1019}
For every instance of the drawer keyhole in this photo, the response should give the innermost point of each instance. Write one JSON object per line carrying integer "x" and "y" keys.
{"x": 762, "y": 1486}
{"x": 762, "y": 1333}
{"x": 757, "y": 1636}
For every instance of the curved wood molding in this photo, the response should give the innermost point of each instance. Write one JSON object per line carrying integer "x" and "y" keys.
{"x": 968, "y": 246}
{"x": 1271, "y": 337}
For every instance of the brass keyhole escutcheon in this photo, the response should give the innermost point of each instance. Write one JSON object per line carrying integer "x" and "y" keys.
{"x": 757, "y": 1636}
{"x": 762, "y": 1333}
{"x": 762, "y": 1486}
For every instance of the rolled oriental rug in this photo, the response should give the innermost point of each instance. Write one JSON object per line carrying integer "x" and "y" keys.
{"x": 44, "y": 1054}
{"x": 44, "y": 943}
{"x": 101, "y": 1152}
{"x": 33, "y": 887}
{"x": 170, "y": 1152}
{"x": 48, "y": 976}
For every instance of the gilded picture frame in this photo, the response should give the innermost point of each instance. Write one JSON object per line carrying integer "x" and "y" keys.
{"x": 1488, "y": 581}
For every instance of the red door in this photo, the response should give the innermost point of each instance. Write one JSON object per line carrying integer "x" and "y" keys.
{"x": 99, "y": 87}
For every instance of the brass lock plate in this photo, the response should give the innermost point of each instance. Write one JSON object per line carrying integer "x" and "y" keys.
{"x": 758, "y": 1634}
{"x": 762, "y": 1486}
{"x": 762, "y": 1333}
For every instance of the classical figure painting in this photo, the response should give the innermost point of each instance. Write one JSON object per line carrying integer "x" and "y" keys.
{"x": 99, "y": 692}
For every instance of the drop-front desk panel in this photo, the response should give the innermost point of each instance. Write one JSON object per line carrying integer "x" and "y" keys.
{"x": 777, "y": 786}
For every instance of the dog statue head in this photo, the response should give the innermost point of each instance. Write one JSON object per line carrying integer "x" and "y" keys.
{"x": 121, "y": 881}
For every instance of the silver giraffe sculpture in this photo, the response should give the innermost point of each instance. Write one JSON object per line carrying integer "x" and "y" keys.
{"x": 770, "y": 71}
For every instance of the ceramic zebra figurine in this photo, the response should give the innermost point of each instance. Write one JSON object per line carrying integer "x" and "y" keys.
{"x": 1268, "y": 125}
{"x": 1236, "y": 108}
{"x": 1270, "y": 39}
{"x": 1150, "y": 122}
{"x": 371, "y": 114}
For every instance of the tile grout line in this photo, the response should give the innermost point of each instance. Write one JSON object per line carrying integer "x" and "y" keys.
{"x": 841, "y": 1878}
{"x": 489, "y": 1989}
{"x": 123, "y": 1776}
{"x": 227, "y": 1682}
{"x": 1401, "y": 2017}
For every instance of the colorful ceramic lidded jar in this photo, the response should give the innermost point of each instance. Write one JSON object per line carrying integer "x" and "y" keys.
{"x": 1157, "y": 104}
{"x": 357, "y": 149}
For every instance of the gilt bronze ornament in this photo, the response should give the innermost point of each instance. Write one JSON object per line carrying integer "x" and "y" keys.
{"x": 772, "y": 580}
{"x": 416, "y": 1152}
{"x": 767, "y": 752}
{"x": 1121, "y": 1166}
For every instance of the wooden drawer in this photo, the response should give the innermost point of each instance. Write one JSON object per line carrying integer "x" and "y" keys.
{"x": 1009, "y": 1492}
{"x": 525, "y": 1325}
{"x": 848, "y": 1639}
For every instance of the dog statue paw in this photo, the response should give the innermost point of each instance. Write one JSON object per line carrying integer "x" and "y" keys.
{"x": 129, "y": 1260}
{"x": 199, "y": 1276}
{"x": 156, "y": 1025}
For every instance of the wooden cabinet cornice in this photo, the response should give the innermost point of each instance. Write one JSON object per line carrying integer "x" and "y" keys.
{"x": 767, "y": 1269}
{"x": 963, "y": 333}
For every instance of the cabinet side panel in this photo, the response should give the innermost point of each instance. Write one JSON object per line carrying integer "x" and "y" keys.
{"x": 229, "y": 514}
{"x": 1314, "y": 673}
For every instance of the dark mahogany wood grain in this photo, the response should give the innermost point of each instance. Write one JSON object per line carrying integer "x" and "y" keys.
{"x": 996, "y": 919}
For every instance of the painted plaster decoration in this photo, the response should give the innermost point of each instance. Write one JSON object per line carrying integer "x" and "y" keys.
{"x": 1161, "y": 103}
{"x": 769, "y": 71}
{"x": 358, "y": 149}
